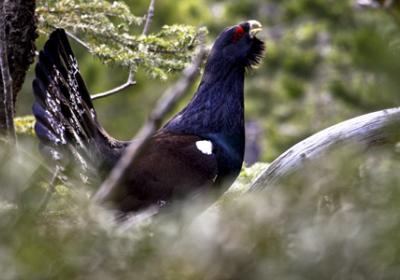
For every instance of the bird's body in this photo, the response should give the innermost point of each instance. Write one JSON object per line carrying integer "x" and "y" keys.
{"x": 199, "y": 149}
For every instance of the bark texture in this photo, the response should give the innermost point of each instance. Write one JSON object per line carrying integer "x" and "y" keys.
{"x": 19, "y": 23}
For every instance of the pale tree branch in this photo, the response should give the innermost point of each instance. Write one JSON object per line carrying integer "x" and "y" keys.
{"x": 50, "y": 190}
{"x": 6, "y": 97}
{"x": 79, "y": 41}
{"x": 149, "y": 18}
{"x": 370, "y": 130}
{"x": 133, "y": 152}
{"x": 131, "y": 77}
{"x": 129, "y": 82}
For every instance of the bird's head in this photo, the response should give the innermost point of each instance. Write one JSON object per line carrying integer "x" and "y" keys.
{"x": 239, "y": 45}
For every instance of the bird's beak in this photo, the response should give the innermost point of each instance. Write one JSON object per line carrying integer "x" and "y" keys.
{"x": 255, "y": 27}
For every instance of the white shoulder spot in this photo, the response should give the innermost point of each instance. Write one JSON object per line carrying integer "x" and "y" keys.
{"x": 204, "y": 146}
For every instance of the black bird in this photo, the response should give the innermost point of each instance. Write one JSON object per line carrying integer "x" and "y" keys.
{"x": 200, "y": 149}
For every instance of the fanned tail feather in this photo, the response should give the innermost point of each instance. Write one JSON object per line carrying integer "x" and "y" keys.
{"x": 66, "y": 121}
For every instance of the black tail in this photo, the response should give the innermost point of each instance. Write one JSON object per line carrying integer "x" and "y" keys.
{"x": 66, "y": 121}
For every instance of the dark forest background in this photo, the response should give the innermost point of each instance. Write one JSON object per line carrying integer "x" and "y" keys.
{"x": 326, "y": 61}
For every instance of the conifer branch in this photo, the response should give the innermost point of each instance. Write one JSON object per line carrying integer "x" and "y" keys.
{"x": 131, "y": 77}
{"x": 104, "y": 28}
{"x": 133, "y": 152}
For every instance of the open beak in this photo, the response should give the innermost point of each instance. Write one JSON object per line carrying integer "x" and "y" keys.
{"x": 255, "y": 27}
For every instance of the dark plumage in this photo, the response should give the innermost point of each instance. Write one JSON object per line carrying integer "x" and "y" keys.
{"x": 201, "y": 148}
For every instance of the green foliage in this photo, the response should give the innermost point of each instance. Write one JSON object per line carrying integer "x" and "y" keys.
{"x": 334, "y": 217}
{"x": 98, "y": 16}
{"x": 106, "y": 30}
{"x": 159, "y": 54}
{"x": 24, "y": 125}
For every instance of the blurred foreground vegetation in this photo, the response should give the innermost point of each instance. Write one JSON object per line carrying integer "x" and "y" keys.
{"x": 337, "y": 218}
{"x": 333, "y": 219}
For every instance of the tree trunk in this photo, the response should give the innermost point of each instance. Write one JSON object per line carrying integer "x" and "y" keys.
{"x": 18, "y": 27}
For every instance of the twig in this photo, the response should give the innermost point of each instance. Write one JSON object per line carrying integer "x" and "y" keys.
{"x": 131, "y": 77}
{"x": 6, "y": 97}
{"x": 149, "y": 18}
{"x": 129, "y": 82}
{"x": 50, "y": 190}
{"x": 79, "y": 41}
{"x": 136, "y": 148}
{"x": 133, "y": 220}
{"x": 370, "y": 130}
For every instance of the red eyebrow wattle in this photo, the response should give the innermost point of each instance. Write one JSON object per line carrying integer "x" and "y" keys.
{"x": 239, "y": 31}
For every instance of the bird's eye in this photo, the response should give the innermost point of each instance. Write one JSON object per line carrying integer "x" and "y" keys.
{"x": 239, "y": 31}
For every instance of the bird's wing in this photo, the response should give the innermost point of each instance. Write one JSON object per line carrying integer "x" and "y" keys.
{"x": 66, "y": 121}
{"x": 173, "y": 166}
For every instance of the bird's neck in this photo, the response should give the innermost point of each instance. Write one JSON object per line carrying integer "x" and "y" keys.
{"x": 218, "y": 105}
